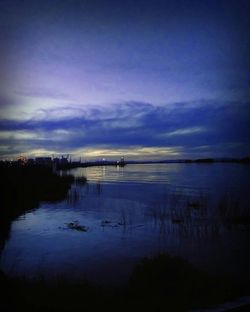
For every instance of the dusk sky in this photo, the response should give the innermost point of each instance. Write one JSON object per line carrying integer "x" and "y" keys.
{"x": 140, "y": 79}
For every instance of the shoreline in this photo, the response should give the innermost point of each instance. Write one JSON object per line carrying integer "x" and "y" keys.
{"x": 72, "y": 165}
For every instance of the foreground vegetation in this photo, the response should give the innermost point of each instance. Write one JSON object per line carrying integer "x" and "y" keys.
{"x": 24, "y": 187}
{"x": 162, "y": 283}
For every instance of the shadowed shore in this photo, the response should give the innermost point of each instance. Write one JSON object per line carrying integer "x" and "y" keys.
{"x": 24, "y": 187}
{"x": 161, "y": 283}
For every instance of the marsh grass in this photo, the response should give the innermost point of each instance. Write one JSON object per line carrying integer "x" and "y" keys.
{"x": 192, "y": 213}
{"x": 231, "y": 212}
{"x": 180, "y": 206}
{"x": 124, "y": 220}
{"x": 73, "y": 196}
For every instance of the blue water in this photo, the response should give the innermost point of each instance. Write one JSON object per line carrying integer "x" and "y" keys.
{"x": 136, "y": 211}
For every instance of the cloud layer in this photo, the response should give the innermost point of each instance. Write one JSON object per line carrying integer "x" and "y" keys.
{"x": 134, "y": 129}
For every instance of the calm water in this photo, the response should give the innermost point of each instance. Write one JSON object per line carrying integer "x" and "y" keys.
{"x": 139, "y": 210}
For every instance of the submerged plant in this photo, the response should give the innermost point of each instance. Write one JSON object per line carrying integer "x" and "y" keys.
{"x": 76, "y": 226}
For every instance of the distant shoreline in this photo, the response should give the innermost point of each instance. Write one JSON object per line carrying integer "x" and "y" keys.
{"x": 200, "y": 160}
{"x": 73, "y": 165}
{"x": 64, "y": 164}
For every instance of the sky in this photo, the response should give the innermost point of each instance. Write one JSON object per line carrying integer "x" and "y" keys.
{"x": 141, "y": 79}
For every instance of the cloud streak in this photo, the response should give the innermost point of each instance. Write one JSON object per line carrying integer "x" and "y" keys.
{"x": 185, "y": 131}
{"x": 181, "y": 129}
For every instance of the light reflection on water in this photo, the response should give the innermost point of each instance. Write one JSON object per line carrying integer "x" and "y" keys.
{"x": 129, "y": 173}
{"x": 132, "y": 212}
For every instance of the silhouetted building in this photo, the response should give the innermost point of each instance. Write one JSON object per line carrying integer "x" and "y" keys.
{"x": 43, "y": 161}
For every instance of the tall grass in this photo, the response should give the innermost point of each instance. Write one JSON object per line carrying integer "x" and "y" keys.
{"x": 194, "y": 214}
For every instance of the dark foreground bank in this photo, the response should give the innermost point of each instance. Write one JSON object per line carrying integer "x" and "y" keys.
{"x": 24, "y": 187}
{"x": 163, "y": 283}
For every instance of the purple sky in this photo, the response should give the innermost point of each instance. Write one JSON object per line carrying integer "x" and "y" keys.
{"x": 144, "y": 79}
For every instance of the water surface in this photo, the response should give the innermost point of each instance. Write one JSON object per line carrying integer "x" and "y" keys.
{"x": 136, "y": 211}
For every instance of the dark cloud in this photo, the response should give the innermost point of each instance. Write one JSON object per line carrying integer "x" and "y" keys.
{"x": 206, "y": 127}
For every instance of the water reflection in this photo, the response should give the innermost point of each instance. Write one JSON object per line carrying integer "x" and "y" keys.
{"x": 197, "y": 212}
{"x": 130, "y": 173}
